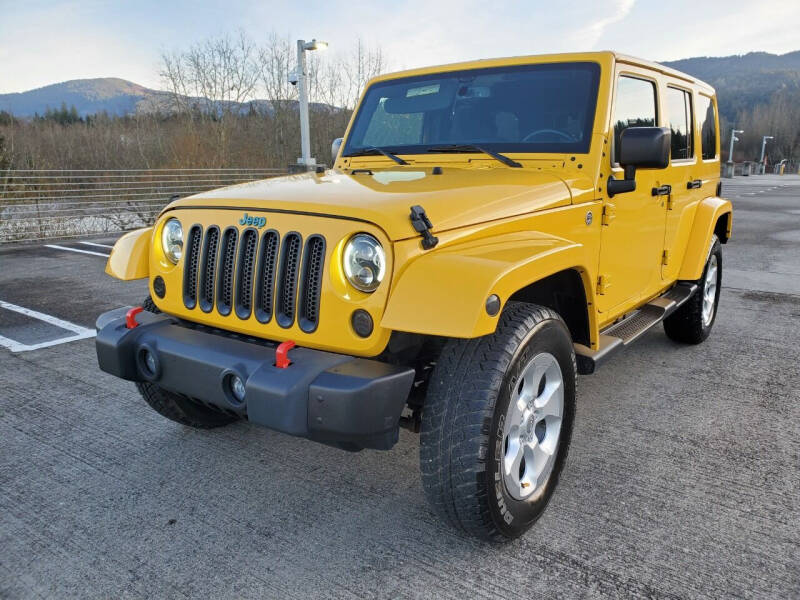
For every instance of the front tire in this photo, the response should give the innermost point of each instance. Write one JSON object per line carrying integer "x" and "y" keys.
{"x": 182, "y": 409}
{"x": 177, "y": 407}
{"x": 497, "y": 423}
{"x": 692, "y": 322}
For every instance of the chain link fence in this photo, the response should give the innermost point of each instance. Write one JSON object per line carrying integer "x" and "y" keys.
{"x": 49, "y": 204}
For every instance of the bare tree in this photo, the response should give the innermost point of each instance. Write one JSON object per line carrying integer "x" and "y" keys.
{"x": 215, "y": 75}
{"x": 211, "y": 80}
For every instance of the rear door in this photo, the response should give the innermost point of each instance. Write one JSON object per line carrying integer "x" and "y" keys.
{"x": 632, "y": 242}
{"x": 684, "y": 178}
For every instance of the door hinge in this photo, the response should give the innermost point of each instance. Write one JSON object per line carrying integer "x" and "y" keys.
{"x": 603, "y": 284}
{"x": 665, "y": 257}
{"x": 670, "y": 202}
{"x": 608, "y": 214}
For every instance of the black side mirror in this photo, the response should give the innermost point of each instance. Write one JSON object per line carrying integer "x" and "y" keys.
{"x": 640, "y": 148}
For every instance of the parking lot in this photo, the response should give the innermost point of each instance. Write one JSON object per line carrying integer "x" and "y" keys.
{"x": 683, "y": 478}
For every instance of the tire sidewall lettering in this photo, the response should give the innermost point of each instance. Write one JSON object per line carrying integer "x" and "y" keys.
{"x": 511, "y": 515}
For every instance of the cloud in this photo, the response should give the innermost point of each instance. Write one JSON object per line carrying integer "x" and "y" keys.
{"x": 590, "y": 34}
{"x": 96, "y": 38}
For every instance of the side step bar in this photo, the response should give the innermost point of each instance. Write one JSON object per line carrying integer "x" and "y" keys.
{"x": 631, "y": 327}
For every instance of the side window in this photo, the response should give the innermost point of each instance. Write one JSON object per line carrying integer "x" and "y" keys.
{"x": 708, "y": 129}
{"x": 635, "y": 107}
{"x": 679, "y": 114}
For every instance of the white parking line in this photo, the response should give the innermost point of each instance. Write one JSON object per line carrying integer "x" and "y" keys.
{"x": 80, "y": 333}
{"x": 95, "y": 244}
{"x": 15, "y": 346}
{"x": 56, "y": 247}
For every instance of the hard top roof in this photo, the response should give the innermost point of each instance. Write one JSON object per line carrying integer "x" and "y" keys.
{"x": 603, "y": 56}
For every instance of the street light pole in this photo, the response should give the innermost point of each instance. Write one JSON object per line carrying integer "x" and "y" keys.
{"x": 302, "y": 91}
{"x": 301, "y": 77}
{"x": 733, "y": 140}
{"x": 763, "y": 147}
{"x": 729, "y": 167}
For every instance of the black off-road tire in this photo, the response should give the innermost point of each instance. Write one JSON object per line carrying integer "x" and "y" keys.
{"x": 176, "y": 407}
{"x": 461, "y": 438}
{"x": 150, "y": 306}
{"x": 686, "y": 325}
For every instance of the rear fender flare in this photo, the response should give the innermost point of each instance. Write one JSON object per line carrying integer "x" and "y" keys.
{"x": 708, "y": 213}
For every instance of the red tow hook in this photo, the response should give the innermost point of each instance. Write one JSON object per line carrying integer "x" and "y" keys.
{"x": 282, "y": 354}
{"x": 130, "y": 317}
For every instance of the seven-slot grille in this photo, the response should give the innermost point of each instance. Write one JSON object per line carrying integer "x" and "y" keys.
{"x": 250, "y": 274}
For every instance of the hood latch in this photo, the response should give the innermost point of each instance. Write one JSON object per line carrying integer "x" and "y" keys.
{"x": 422, "y": 225}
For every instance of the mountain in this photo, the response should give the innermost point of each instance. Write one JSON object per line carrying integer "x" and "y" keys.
{"x": 118, "y": 97}
{"x": 744, "y": 81}
{"x": 89, "y": 96}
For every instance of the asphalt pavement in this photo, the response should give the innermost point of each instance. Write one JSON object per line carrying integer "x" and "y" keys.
{"x": 683, "y": 479}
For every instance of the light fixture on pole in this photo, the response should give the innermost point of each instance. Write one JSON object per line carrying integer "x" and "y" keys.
{"x": 763, "y": 146}
{"x": 299, "y": 78}
{"x": 734, "y": 139}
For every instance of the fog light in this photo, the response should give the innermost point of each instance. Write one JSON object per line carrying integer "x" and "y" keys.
{"x": 237, "y": 388}
{"x": 159, "y": 287}
{"x": 149, "y": 360}
{"x": 362, "y": 323}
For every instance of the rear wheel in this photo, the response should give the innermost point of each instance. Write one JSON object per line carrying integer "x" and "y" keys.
{"x": 692, "y": 322}
{"x": 177, "y": 407}
{"x": 497, "y": 422}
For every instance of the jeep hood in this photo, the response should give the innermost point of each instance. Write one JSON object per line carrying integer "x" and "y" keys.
{"x": 455, "y": 198}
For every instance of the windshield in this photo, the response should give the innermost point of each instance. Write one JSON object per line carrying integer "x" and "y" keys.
{"x": 524, "y": 108}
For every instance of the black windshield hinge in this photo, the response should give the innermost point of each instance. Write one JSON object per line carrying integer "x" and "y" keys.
{"x": 422, "y": 225}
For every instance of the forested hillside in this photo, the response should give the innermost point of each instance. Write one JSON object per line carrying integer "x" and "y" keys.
{"x": 758, "y": 92}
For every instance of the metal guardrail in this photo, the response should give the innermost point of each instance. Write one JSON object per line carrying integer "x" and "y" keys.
{"x": 48, "y": 204}
{"x": 747, "y": 168}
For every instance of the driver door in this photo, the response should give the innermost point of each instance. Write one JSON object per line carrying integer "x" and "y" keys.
{"x": 632, "y": 239}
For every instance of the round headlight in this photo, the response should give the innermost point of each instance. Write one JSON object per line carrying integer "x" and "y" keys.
{"x": 172, "y": 240}
{"x": 364, "y": 262}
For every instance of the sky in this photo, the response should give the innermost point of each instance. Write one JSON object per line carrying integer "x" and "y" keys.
{"x": 48, "y": 42}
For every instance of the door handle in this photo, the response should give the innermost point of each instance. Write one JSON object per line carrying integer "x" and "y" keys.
{"x": 694, "y": 184}
{"x": 663, "y": 190}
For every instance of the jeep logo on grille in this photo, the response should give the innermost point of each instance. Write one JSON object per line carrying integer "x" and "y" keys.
{"x": 254, "y": 221}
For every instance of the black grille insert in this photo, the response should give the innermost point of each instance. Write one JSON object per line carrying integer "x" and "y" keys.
{"x": 265, "y": 281}
{"x": 227, "y": 261}
{"x": 191, "y": 266}
{"x": 311, "y": 283}
{"x": 287, "y": 279}
{"x": 273, "y": 276}
{"x": 208, "y": 269}
{"x": 244, "y": 273}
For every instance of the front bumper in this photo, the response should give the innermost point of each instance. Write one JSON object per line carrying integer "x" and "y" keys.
{"x": 332, "y": 398}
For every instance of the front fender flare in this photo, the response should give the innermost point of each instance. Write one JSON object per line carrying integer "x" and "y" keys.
{"x": 130, "y": 256}
{"x": 444, "y": 292}
{"x": 706, "y": 216}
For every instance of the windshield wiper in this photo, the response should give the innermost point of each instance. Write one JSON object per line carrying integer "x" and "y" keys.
{"x": 372, "y": 150}
{"x": 473, "y": 148}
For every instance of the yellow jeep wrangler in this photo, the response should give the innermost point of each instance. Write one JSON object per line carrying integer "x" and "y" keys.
{"x": 488, "y": 231}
